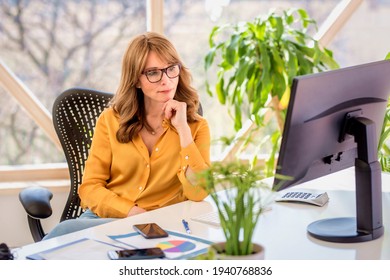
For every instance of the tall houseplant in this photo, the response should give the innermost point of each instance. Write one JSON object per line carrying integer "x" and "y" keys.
{"x": 256, "y": 61}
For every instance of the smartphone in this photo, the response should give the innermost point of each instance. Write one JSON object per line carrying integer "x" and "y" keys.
{"x": 150, "y": 230}
{"x": 136, "y": 254}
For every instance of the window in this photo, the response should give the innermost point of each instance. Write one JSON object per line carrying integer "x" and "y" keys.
{"x": 54, "y": 45}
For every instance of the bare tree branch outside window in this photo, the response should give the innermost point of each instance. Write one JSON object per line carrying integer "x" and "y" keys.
{"x": 52, "y": 45}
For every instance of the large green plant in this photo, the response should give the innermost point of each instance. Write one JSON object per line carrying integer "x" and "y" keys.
{"x": 256, "y": 62}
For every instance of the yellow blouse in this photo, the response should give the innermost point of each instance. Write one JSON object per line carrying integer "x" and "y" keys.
{"x": 118, "y": 176}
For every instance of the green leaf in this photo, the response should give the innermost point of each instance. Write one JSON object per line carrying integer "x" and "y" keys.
{"x": 279, "y": 84}
{"x": 317, "y": 54}
{"x": 276, "y": 61}
{"x": 305, "y": 19}
{"x": 237, "y": 118}
{"x": 289, "y": 18}
{"x": 303, "y": 14}
{"x": 225, "y": 66}
{"x": 230, "y": 89}
{"x": 236, "y": 96}
{"x": 219, "y": 90}
{"x": 208, "y": 90}
{"x": 277, "y": 23}
{"x": 327, "y": 58}
{"x": 305, "y": 50}
{"x": 231, "y": 50}
{"x": 265, "y": 82}
{"x": 292, "y": 63}
{"x": 259, "y": 31}
{"x": 305, "y": 66}
{"x": 241, "y": 71}
{"x": 209, "y": 59}
{"x": 214, "y": 32}
{"x": 243, "y": 48}
{"x": 256, "y": 106}
{"x": 251, "y": 85}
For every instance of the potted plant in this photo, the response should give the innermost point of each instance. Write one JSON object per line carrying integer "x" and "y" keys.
{"x": 256, "y": 62}
{"x": 240, "y": 198}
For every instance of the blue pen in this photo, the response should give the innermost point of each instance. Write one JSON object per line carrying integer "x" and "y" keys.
{"x": 187, "y": 228}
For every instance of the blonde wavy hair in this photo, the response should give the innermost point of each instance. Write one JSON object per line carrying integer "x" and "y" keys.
{"x": 128, "y": 102}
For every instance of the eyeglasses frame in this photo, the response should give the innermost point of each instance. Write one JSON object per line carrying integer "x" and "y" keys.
{"x": 163, "y": 70}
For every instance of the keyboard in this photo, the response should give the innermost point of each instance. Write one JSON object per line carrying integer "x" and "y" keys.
{"x": 210, "y": 218}
{"x": 314, "y": 198}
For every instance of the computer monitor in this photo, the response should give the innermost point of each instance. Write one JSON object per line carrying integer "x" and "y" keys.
{"x": 334, "y": 120}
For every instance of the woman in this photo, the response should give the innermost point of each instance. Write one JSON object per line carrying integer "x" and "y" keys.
{"x": 149, "y": 144}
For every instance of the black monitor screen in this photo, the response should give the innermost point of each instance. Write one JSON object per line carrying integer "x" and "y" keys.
{"x": 334, "y": 120}
{"x": 318, "y": 105}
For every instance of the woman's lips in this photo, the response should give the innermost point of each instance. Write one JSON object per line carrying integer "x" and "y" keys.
{"x": 167, "y": 91}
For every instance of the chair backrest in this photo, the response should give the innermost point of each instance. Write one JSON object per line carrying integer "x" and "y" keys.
{"x": 75, "y": 112}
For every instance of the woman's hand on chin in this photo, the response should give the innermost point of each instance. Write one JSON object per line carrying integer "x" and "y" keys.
{"x": 176, "y": 111}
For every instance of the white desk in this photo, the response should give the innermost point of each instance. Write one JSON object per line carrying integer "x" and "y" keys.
{"x": 282, "y": 230}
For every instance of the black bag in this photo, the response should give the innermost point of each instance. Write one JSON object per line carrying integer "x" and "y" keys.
{"x": 5, "y": 253}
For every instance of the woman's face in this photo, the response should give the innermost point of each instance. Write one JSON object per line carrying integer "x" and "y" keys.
{"x": 161, "y": 91}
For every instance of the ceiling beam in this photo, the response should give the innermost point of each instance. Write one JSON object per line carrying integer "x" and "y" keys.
{"x": 336, "y": 20}
{"x": 155, "y": 16}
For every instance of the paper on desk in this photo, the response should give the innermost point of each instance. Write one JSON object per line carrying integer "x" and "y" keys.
{"x": 175, "y": 246}
{"x": 83, "y": 249}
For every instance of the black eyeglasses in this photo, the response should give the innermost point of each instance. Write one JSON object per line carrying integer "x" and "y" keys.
{"x": 155, "y": 75}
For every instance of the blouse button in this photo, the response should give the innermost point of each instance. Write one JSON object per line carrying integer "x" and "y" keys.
{"x": 156, "y": 149}
{"x": 140, "y": 188}
{"x": 186, "y": 157}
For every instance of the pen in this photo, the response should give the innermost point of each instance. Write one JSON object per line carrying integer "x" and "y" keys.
{"x": 185, "y": 224}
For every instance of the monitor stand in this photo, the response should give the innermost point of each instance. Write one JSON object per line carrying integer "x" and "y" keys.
{"x": 368, "y": 222}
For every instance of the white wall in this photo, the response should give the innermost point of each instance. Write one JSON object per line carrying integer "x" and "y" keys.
{"x": 14, "y": 230}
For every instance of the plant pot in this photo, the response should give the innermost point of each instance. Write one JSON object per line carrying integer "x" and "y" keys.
{"x": 218, "y": 248}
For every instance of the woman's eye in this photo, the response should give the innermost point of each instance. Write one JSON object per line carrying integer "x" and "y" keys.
{"x": 172, "y": 69}
{"x": 153, "y": 73}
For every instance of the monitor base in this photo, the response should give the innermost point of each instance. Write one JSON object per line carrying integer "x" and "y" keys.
{"x": 341, "y": 230}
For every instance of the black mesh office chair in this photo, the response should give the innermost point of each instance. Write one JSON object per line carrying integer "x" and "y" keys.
{"x": 75, "y": 113}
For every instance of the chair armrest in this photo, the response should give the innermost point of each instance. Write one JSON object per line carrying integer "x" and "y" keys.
{"x": 36, "y": 202}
